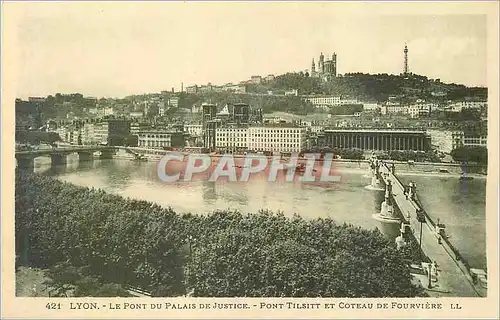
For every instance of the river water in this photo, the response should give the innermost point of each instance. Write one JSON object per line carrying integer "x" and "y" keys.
{"x": 458, "y": 204}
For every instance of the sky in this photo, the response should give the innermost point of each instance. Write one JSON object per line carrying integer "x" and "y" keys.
{"x": 119, "y": 49}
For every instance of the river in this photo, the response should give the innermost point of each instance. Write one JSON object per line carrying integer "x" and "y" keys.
{"x": 460, "y": 205}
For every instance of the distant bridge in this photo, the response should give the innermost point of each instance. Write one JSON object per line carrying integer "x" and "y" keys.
{"x": 25, "y": 158}
{"x": 65, "y": 150}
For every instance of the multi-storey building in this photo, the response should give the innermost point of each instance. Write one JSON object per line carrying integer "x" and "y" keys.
{"x": 370, "y": 107}
{"x": 36, "y": 99}
{"x": 195, "y": 109}
{"x": 236, "y": 88}
{"x": 256, "y": 79}
{"x": 162, "y": 108}
{"x": 113, "y": 132}
{"x": 284, "y": 139}
{"x": 61, "y": 131}
{"x": 458, "y": 106}
{"x": 393, "y": 108}
{"x": 173, "y": 102}
{"x": 195, "y": 130}
{"x": 87, "y": 132}
{"x": 262, "y": 139}
{"x": 316, "y": 129}
{"x": 231, "y": 139}
{"x": 137, "y": 127}
{"x": 348, "y": 101}
{"x": 101, "y": 132}
{"x": 192, "y": 89}
{"x": 461, "y": 138}
{"x": 136, "y": 114}
{"x": 322, "y": 101}
{"x": 269, "y": 77}
{"x": 158, "y": 139}
{"x": 420, "y": 109}
{"x": 373, "y": 139}
{"x": 108, "y": 111}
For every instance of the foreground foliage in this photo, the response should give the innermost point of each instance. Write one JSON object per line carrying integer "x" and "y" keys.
{"x": 138, "y": 243}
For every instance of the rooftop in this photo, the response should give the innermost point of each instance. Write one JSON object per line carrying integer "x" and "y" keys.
{"x": 375, "y": 130}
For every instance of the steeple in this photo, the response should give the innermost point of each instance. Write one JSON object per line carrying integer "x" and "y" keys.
{"x": 321, "y": 64}
{"x": 313, "y": 66}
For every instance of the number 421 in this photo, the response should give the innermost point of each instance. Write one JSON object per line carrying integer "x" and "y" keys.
{"x": 53, "y": 306}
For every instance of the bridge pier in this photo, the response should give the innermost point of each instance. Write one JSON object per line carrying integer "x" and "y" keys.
{"x": 58, "y": 159}
{"x": 387, "y": 209}
{"x": 26, "y": 163}
{"x": 85, "y": 156}
{"x": 107, "y": 154}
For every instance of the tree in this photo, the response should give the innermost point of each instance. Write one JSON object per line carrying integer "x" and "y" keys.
{"x": 476, "y": 154}
{"x": 96, "y": 244}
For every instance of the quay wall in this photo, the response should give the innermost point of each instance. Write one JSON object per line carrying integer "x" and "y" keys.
{"x": 417, "y": 167}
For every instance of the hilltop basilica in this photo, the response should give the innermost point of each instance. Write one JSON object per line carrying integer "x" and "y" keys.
{"x": 326, "y": 69}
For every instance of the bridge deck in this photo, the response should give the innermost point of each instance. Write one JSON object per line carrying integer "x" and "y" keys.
{"x": 62, "y": 150}
{"x": 453, "y": 277}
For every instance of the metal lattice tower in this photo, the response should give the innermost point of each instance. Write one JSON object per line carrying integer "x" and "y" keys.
{"x": 406, "y": 70}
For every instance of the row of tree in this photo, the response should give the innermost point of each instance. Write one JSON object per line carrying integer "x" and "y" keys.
{"x": 417, "y": 156}
{"x": 475, "y": 154}
{"x": 138, "y": 243}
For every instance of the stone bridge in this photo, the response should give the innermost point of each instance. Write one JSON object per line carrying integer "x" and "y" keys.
{"x": 452, "y": 273}
{"x": 25, "y": 158}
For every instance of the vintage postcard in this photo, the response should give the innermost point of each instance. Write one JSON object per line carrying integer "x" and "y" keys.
{"x": 249, "y": 159}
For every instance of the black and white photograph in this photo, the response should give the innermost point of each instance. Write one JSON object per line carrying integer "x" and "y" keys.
{"x": 251, "y": 150}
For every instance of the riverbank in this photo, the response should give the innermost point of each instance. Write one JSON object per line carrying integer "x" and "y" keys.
{"x": 418, "y": 168}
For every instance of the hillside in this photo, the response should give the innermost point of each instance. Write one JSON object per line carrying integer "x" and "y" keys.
{"x": 363, "y": 87}
{"x": 376, "y": 88}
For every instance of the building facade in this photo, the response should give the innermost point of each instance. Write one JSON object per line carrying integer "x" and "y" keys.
{"x": 393, "y": 108}
{"x": 373, "y": 139}
{"x": 460, "y": 105}
{"x": 195, "y": 130}
{"x": 284, "y": 139}
{"x": 209, "y": 125}
{"x": 323, "y": 101}
{"x": 192, "y": 89}
{"x": 256, "y": 79}
{"x": 420, "y": 109}
{"x": 173, "y": 102}
{"x": 441, "y": 140}
{"x": 157, "y": 139}
{"x": 261, "y": 139}
{"x": 460, "y": 138}
{"x": 241, "y": 113}
{"x": 231, "y": 139}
